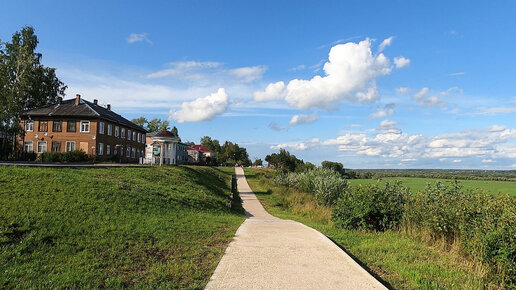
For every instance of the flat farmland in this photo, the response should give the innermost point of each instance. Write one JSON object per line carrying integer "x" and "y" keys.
{"x": 419, "y": 183}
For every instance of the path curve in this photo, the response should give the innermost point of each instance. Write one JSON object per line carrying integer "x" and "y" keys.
{"x": 271, "y": 253}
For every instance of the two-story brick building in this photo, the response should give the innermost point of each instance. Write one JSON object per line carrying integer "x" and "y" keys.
{"x": 77, "y": 124}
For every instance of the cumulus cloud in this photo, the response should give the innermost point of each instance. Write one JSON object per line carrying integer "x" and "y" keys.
{"x": 202, "y": 109}
{"x": 138, "y": 37}
{"x": 275, "y": 126}
{"x": 386, "y": 111}
{"x": 423, "y": 100}
{"x": 386, "y": 42}
{"x": 249, "y": 73}
{"x": 273, "y": 91}
{"x": 401, "y": 61}
{"x": 388, "y": 141}
{"x": 403, "y": 90}
{"x": 303, "y": 119}
{"x": 350, "y": 74}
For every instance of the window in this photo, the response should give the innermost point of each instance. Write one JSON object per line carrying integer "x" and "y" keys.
{"x": 71, "y": 126}
{"x": 57, "y": 126}
{"x": 85, "y": 126}
{"x": 108, "y": 149}
{"x": 128, "y": 134}
{"x": 70, "y": 146}
{"x": 101, "y": 128}
{"x": 29, "y": 125}
{"x": 134, "y": 136}
{"x": 117, "y": 131}
{"x": 42, "y": 146}
{"x": 128, "y": 151}
{"x": 115, "y": 150}
{"x": 43, "y": 126}
{"x": 139, "y": 137}
{"x": 56, "y": 146}
{"x": 134, "y": 152}
{"x": 123, "y": 133}
{"x": 109, "y": 129}
{"x": 101, "y": 149}
{"x": 28, "y": 146}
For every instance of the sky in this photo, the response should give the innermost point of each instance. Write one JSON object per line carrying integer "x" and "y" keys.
{"x": 370, "y": 84}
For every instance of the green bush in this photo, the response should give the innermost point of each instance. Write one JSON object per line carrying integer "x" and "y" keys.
{"x": 484, "y": 224}
{"x": 371, "y": 207}
{"x": 70, "y": 156}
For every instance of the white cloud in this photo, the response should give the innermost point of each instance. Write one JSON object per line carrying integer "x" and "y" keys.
{"x": 456, "y": 74}
{"x": 299, "y": 67}
{"x": 273, "y": 91}
{"x": 488, "y": 144}
{"x": 185, "y": 69}
{"x": 276, "y": 127}
{"x": 303, "y": 119}
{"x": 495, "y": 111}
{"x": 350, "y": 74}
{"x": 386, "y": 42}
{"x": 386, "y": 111}
{"x": 138, "y": 37}
{"x": 202, "y": 109}
{"x": 249, "y": 73}
{"x": 403, "y": 90}
{"x": 401, "y": 61}
{"x": 422, "y": 100}
{"x": 452, "y": 92}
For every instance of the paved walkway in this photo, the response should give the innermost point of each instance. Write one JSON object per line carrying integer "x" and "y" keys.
{"x": 271, "y": 253}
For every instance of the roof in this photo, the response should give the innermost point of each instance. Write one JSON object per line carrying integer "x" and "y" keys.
{"x": 165, "y": 134}
{"x": 84, "y": 109}
{"x": 200, "y": 148}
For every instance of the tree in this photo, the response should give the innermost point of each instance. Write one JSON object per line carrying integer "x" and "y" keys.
{"x": 24, "y": 82}
{"x": 286, "y": 161}
{"x": 335, "y": 166}
{"x": 156, "y": 125}
{"x": 175, "y": 131}
{"x": 142, "y": 121}
{"x": 258, "y": 162}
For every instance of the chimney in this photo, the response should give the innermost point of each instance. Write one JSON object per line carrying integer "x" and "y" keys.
{"x": 96, "y": 102}
{"x": 59, "y": 100}
{"x": 77, "y": 99}
{"x": 109, "y": 107}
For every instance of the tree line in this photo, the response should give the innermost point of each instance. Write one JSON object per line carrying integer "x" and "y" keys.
{"x": 228, "y": 154}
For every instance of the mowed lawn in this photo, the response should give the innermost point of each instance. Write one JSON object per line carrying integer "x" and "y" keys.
{"x": 417, "y": 184}
{"x": 138, "y": 227}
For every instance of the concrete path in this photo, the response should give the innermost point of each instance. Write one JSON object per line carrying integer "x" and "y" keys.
{"x": 271, "y": 253}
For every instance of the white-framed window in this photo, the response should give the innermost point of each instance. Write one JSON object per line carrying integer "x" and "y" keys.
{"x": 70, "y": 146}
{"x": 123, "y": 133}
{"x": 29, "y": 126}
{"x": 101, "y": 149}
{"x": 128, "y": 134}
{"x": 134, "y": 136}
{"x": 101, "y": 127}
{"x": 128, "y": 151}
{"x": 28, "y": 146}
{"x": 108, "y": 149}
{"x": 133, "y": 153}
{"x": 42, "y": 146}
{"x": 139, "y": 137}
{"x": 109, "y": 129}
{"x": 85, "y": 126}
{"x": 117, "y": 131}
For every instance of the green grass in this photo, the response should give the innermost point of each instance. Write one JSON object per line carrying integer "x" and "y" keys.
{"x": 397, "y": 258}
{"x": 113, "y": 227}
{"x": 418, "y": 183}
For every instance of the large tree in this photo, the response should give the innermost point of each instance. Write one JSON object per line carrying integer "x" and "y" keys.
{"x": 154, "y": 125}
{"x": 25, "y": 83}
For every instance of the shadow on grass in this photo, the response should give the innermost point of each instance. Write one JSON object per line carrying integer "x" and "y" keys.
{"x": 364, "y": 266}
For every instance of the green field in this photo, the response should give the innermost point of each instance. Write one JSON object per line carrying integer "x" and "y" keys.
{"x": 397, "y": 258}
{"x": 115, "y": 227}
{"x": 418, "y": 183}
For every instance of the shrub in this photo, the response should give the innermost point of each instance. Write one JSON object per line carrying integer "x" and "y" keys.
{"x": 371, "y": 207}
{"x": 70, "y": 156}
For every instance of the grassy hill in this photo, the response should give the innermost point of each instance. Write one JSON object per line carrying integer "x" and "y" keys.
{"x": 113, "y": 227}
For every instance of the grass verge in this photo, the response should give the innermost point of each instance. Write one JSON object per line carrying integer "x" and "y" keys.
{"x": 113, "y": 227}
{"x": 398, "y": 259}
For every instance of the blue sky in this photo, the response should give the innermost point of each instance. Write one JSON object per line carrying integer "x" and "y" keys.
{"x": 371, "y": 84}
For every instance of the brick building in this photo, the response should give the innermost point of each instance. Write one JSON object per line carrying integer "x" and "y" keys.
{"x": 77, "y": 124}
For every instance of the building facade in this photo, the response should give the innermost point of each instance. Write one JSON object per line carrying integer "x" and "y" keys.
{"x": 165, "y": 147}
{"x": 199, "y": 154}
{"x": 77, "y": 124}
